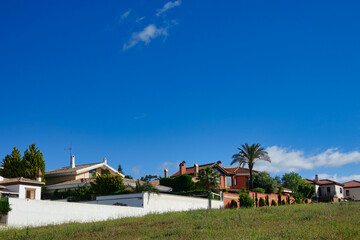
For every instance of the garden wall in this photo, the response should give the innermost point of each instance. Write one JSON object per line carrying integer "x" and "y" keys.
{"x": 44, "y": 212}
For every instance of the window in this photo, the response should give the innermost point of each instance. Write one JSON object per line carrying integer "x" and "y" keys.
{"x": 347, "y": 192}
{"x": 319, "y": 191}
{"x": 340, "y": 190}
{"x": 229, "y": 181}
{"x": 235, "y": 181}
{"x": 328, "y": 189}
{"x": 30, "y": 193}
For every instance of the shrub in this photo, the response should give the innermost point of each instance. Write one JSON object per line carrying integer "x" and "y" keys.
{"x": 107, "y": 184}
{"x": 179, "y": 183}
{"x": 233, "y": 204}
{"x": 273, "y": 203}
{"x": 283, "y": 202}
{"x": 267, "y": 200}
{"x": 245, "y": 200}
{"x": 306, "y": 201}
{"x": 4, "y": 207}
{"x": 82, "y": 194}
{"x": 279, "y": 199}
{"x": 259, "y": 190}
{"x": 262, "y": 202}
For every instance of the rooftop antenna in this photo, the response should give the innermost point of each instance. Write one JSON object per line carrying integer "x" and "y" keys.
{"x": 69, "y": 149}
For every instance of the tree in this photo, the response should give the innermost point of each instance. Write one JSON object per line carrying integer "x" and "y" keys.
{"x": 33, "y": 161}
{"x": 148, "y": 178}
{"x": 248, "y": 155}
{"x": 120, "y": 170}
{"x": 278, "y": 180}
{"x": 128, "y": 176}
{"x": 208, "y": 179}
{"x": 107, "y": 184}
{"x": 291, "y": 180}
{"x": 146, "y": 187}
{"x": 265, "y": 181}
{"x": 12, "y": 164}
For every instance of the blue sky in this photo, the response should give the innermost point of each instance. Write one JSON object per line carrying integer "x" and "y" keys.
{"x": 151, "y": 84}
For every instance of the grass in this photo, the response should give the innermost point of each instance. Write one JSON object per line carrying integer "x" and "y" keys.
{"x": 313, "y": 221}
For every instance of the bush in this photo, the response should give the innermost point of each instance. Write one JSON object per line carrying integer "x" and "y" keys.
{"x": 283, "y": 202}
{"x": 82, "y": 194}
{"x": 179, "y": 183}
{"x": 245, "y": 200}
{"x": 4, "y": 207}
{"x": 259, "y": 190}
{"x": 107, "y": 184}
{"x": 233, "y": 204}
{"x": 267, "y": 200}
{"x": 262, "y": 202}
{"x": 306, "y": 201}
{"x": 273, "y": 203}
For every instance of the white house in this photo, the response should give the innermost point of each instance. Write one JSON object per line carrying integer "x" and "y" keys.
{"x": 21, "y": 187}
{"x": 352, "y": 190}
{"x": 327, "y": 190}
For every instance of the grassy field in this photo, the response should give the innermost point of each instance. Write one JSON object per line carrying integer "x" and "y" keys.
{"x": 314, "y": 221}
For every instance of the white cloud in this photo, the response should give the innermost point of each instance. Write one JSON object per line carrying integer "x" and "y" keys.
{"x": 336, "y": 178}
{"x": 140, "y": 19}
{"x": 168, "y": 6}
{"x": 136, "y": 170}
{"x": 285, "y": 160}
{"x": 124, "y": 16}
{"x": 146, "y": 35}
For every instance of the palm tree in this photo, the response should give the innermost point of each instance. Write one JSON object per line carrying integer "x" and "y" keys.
{"x": 248, "y": 155}
{"x": 208, "y": 179}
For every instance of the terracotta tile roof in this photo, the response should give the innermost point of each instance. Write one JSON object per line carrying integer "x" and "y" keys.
{"x": 352, "y": 184}
{"x": 190, "y": 170}
{"x": 324, "y": 182}
{"x": 7, "y": 181}
{"x": 237, "y": 170}
{"x": 69, "y": 169}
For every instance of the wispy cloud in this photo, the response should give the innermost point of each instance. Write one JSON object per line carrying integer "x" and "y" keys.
{"x": 136, "y": 171}
{"x": 124, "y": 16}
{"x": 140, "y": 116}
{"x": 146, "y": 35}
{"x": 337, "y": 178}
{"x": 168, "y": 6}
{"x": 140, "y": 19}
{"x": 284, "y": 159}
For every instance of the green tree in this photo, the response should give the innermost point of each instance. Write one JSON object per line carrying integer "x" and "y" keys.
{"x": 107, "y": 184}
{"x": 12, "y": 165}
{"x": 291, "y": 180}
{"x": 208, "y": 179}
{"x": 248, "y": 155}
{"x": 120, "y": 170}
{"x": 145, "y": 187}
{"x": 33, "y": 161}
{"x": 148, "y": 178}
{"x": 265, "y": 181}
{"x": 128, "y": 176}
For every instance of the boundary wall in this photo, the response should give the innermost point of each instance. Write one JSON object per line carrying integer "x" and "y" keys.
{"x": 44, "y": 212}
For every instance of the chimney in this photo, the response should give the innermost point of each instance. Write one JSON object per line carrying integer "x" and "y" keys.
{"x": 166, "y": 173}
{"x": 196, "y": 170}
{"x": 219, "y": 163}
{"x": 316, "y": 178}
{"x": 105, "y": 160}
{"x": 182, "y": 168}
{"x": 72, "y": 161}
{"x": 38, "y": 175}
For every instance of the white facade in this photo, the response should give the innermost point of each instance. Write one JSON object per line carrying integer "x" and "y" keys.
{"x": 21, "y": 189}
{"x": 329, "y": 190}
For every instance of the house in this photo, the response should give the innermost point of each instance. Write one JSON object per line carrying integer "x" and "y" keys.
{"x": 352, "y": 190}
{"x": 22, "y": 187}
{"x": 231, "y": 178}
{"x": 74, "y": 176}
{"x": 327, "y": 190}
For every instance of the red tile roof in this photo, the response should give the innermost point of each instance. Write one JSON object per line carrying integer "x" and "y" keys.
{"x": 352, "y": 184}
{"x": 228, "y": 170}
{"x": 238, "y": 170}
{"x": 190, "y": 170}
{"x": 324, "y": 182}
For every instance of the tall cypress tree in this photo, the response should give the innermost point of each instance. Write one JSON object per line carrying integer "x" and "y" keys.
{"x": 12, "y": 164}
{"x": 32, "y": 161}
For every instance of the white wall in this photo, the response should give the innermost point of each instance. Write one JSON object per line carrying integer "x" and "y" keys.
{"x": 39, "y": 213}
{"x": 354, "y": 193}
{"x": 159, "y": 203}
{"x": 20, "y": 188}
